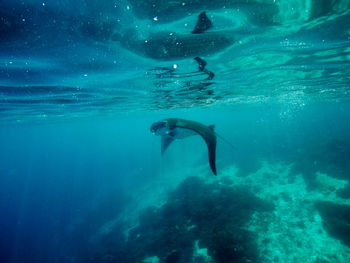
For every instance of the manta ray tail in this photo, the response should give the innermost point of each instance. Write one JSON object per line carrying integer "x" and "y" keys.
{"x": 203, "y": 24}
{"x": 210, "y": 139}
{"x": 212, "y": 156}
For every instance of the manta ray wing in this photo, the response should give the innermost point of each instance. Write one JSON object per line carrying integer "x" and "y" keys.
{"x": 206, "y": 132}
{"x": 166, "y": 141}
{"x": 210, "y": 140}
{"x": 212, "y": 155}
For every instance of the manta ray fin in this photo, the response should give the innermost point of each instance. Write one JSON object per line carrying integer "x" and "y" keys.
{"x": 212, "y": 154}
{"x": 203, "y": 24}
{"x": 166, "y": 141}
{"x": 210, "y": 140}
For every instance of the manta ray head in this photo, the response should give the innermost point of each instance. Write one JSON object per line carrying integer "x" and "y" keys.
{"x": 160, "y": 128}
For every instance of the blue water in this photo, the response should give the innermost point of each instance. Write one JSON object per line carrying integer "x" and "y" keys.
{"x": 82, "y": 81}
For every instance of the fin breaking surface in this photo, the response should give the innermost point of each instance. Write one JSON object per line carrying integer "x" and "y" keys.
{"x": 203, "y": 24}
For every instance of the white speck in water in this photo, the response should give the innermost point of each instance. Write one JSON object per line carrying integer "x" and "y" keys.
{"x": 85, "y": 75}
{"x": 127, "y": 7}
{"x": 155, "y": 18}
{"x": 43, "y": 4}
{"x": 175, "y": 66}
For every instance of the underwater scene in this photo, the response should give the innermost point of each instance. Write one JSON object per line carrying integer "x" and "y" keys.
{"x": 175, "y": 131}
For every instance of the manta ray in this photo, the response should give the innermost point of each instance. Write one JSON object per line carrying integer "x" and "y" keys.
{"x": 174, "y": 128}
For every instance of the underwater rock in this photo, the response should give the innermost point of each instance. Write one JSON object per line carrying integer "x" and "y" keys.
{"x": 344, "y": 192}
{"x": 336, "y": 220}
{"x": 197, "y": 215}
{"x": 173, "y": 257}
{"x": 232, "y": 246}
{"x": 218, "y": 213}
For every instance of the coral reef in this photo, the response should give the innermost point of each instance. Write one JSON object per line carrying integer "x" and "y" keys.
{"x": 219, "y": 219}
{"x": 197, "y": 216}
{"x": 294, "y": 231}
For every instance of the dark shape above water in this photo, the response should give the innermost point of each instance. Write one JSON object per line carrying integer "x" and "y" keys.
{"x": 203, "y": 24}
{"x": 201, "y": 67}
{"x": 169, "y": 72}
{"x": 174, "y": 128}
{"x": 201, "y": 63}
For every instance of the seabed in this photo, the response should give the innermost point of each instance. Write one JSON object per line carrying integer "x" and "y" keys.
{"x": 286, "y": 221}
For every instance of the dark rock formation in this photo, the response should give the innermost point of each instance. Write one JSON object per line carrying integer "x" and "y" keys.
{"x": 336, "y": 220}
{"x": 344, "y": 192}
{"x": 212, "y": 214}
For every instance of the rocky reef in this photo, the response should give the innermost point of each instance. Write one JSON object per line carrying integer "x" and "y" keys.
{"x": 269, "y": 215}
{"x": 196, "y": 216}
{"x": 336, "y": 220}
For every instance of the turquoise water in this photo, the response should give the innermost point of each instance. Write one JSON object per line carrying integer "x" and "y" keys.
{"x": 82, "y": 178}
